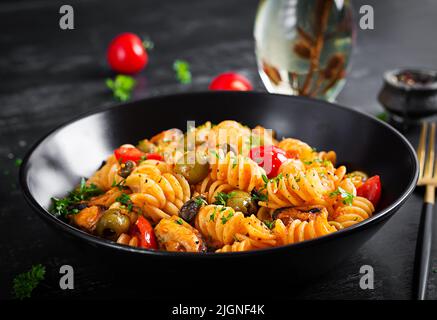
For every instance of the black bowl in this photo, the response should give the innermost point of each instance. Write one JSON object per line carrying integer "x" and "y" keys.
{"x": 76, "y": 149}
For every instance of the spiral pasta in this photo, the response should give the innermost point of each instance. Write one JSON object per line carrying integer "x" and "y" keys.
{"x": 298, "y": 230}
{"x": 222, "y": 226}
{"x": 107, "y": 176}
{"x": 237, "y": 246}
{"x": 159, "y": 194}
{"x": 208, "y": 190}
{"x": 211, "y": 188}
{"x": 346, "y": 216}
{"x": 238, "y": 171}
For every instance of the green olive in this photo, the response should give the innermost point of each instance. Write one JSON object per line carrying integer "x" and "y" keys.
{"x": 195, "y": 170}
{"x": 242, "y": 201}
{"x": 112, "y": 224}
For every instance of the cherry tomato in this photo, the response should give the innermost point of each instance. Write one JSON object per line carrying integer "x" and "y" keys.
{"x": 268, "y": 157}
{"x": 124, "y": 154}
{"x": 230, "y": 81}
{"x": 144, "y": 231}
{"x": 126, "y": 54}
{"x": 371, "y": 190}
{"x": 154, "y": 156}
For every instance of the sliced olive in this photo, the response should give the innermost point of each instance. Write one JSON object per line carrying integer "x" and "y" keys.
{"x": 126, "y": 168}
{"x": 112, "y": 224}
{"x": 147, "y": 146}
{"x": 242, "y": 201}
{"x": 194, "y": 170}
{"x": 190, "y": 208}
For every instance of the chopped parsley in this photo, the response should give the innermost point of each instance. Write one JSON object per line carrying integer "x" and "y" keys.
{"x": 122, "y": 86}
{"x": 347, "y": 197}
{"x": 265, "y": 179}
{"x": 215, "y": 154}
{"x": 383, "y": 116}
{"x": 200, "y": 201}
{"x": 125, "y": 200}
{"x": 68, "y": 205}
{"x": 269, "y": 224}
{"x": 18, "y": 162}
{"x": 182, "y": 69}
{"x": 119, "y": 185}
{"x": 24, "y": 283}
{"x": 179, "y": 221}
{"x": 226, "y": 219}
{"x": 212, "y": 216}
{"x": 221, "y": 198}
{"x": 258, "y": 196}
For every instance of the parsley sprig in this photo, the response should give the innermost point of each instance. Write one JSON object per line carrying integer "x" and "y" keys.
{"x": 200, "y": 201}
{"x": 125, "y": 200}
{"x": 67, "y": 205}
{"x": 225, "y": 219}
{"x": 269, "y": 224}
{"x": 347, "y": 197}
{"x": 24, "y": 283}
{"x": 182, "y": 69}
{"x": 122, "y": 86}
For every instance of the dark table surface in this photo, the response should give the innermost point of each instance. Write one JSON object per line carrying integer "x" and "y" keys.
{"x": 49, "y": 76}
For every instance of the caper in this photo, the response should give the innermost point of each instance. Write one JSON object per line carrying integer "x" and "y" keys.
{"x": 126, "y": 168}
{"x": 112, "y": 224}
{"x": 194, "y": 170}
{"x": 242, "y": 201}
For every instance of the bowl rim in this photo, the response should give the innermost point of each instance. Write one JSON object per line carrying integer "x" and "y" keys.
{"x": 380, "y": 216}
{"x": 390, "y": 75}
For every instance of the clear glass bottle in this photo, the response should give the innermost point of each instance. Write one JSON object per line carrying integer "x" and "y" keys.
{"x": 303, "y": 47}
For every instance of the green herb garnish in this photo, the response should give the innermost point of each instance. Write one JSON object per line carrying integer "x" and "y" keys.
{"x": 226, "y": 219}
{"x": 179, "y": 221}
{"x": 125, "y": 200}
{"x": 347, "y": 197}
{"x": 119, "y": 185}
{"x": 265, "y": 179}
{"x": 212, "y": 216}
{"x": 65, "y": 206}
{"x": 269, "y": 224}
{"x": 121, "y": 86}
{"x": 182, "y": 69}
{"x": 24, "y": 283}
{"x": 215, "y": 154}
{"x": 221, "y": 198}
{"x": 383, "y": 116}
{"x": 258, "y": 196}
{"x": 18, "y": 162}
{"x": 200, "y": 201}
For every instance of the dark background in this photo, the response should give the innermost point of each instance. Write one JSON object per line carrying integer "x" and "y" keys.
{"x": 49, "y": 76}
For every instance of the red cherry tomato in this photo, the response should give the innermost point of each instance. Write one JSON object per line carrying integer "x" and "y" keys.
{"x": 268, "y": 157}
{"x": 124, "y": 154}
{"x": 371, "y": 190}
{"x": 144, "y": 231}
{"x": 230, "y": 81}
{"x": 154, "y": 156}
{"x": 126, "y": 54}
